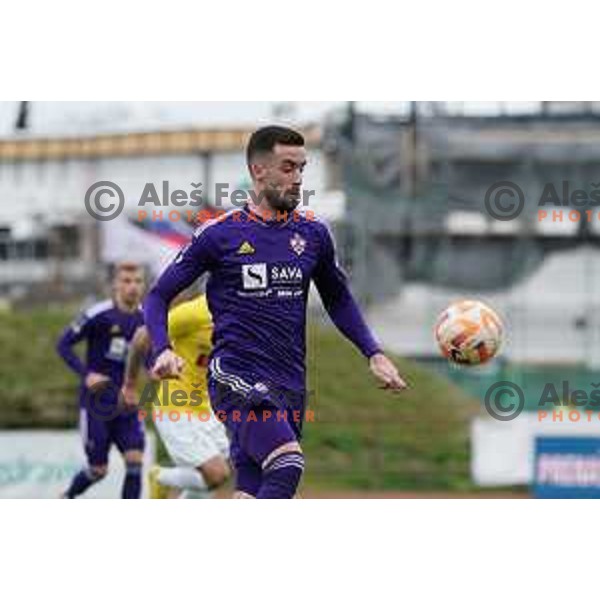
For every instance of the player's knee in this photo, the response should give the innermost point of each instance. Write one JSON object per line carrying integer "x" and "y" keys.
{"x": 281, "y": 474}
{"x": 215, "y": 472}
{"x": 134, "y": 457}
{"x": 293, "y": 447}
{"x": 98, "y": 472}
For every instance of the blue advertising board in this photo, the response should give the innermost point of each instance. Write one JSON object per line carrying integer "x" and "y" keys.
{"x": 567, "y": 467}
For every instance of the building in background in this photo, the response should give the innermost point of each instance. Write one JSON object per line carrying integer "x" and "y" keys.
{"x": 48, "y": 240}
{"x": 407, "y": 193}
{"x": 416, "y": 186}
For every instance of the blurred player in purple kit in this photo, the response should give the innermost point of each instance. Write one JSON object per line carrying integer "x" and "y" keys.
{"x": 107, "y": 328}
{"x": 261, "y": 260}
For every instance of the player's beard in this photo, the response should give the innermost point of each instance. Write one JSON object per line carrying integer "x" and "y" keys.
{"x": 282, "y": 202}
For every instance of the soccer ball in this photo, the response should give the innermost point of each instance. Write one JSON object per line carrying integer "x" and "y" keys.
{"x": 469, "y": 332}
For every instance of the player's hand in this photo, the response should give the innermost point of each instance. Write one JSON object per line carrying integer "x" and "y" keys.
{"x": 168, "y": 365}
{"x": 129, "y": 393}
{"x": 387, "y": 374}
{"x": 93, "y": 379}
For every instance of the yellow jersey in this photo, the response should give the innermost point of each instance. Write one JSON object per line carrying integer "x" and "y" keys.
{"x": 190, "y": 332}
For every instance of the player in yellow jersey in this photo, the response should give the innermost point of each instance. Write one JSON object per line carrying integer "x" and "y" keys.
{"x": 194, "y": 438}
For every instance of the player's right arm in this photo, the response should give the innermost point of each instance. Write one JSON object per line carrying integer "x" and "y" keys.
{"x": 195, "y": 259}
{"x": 71, "y": 336}
{"x": 78, "y": 330}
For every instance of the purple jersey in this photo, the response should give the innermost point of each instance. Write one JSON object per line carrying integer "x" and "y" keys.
{"x": 260, "y": 273}
{"x": 107, "y": 331}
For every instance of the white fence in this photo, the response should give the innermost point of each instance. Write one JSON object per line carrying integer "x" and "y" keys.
{"x": 40, "y": 464}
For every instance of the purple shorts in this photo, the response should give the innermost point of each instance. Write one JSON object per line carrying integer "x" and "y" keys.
{"x": 124, "y": 430}
{"x": 256, "y": 425}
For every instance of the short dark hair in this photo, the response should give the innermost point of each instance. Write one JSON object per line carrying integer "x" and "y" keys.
{"x": 263, "y": 140}
{"x": 127, "y": 266}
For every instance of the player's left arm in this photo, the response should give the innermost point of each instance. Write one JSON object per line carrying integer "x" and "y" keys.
{"x": 339, "y": 303}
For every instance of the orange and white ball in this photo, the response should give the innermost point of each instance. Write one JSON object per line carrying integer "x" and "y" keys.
{"x": 469, "y": 332}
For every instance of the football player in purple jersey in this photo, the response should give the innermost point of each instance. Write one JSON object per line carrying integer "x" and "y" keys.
{"x": 261, "y": 259}
{"x": 107, "y": 328}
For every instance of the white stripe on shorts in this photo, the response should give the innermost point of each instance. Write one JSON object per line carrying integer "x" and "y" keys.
{"x": 233, "y": 381}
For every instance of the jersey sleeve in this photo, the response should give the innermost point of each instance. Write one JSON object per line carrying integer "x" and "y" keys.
{"x": 332, "y": 285}
{"x": 77, "y": 331}
{"x": 198, "y": 257}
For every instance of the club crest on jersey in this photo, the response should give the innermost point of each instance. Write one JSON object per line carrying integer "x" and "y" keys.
{"x": 298, "y": 244}
{"x": 246, "y": 248}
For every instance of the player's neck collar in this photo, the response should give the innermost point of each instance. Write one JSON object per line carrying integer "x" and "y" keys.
{"x": 273, "y": 222}
{"x": 121, "y": 307}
